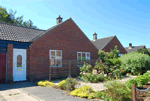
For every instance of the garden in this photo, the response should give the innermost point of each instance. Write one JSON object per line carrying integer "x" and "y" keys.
{"x": 109, "y": 67}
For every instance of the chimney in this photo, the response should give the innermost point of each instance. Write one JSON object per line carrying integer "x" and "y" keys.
{"x": 59, "y": 19}
{"x": 130, "y": 45}
{"x": 94, "y": 37}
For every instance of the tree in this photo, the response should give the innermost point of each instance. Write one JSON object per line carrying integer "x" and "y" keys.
{"x": 4, "y": 16}
{"x": 10, "y": 18}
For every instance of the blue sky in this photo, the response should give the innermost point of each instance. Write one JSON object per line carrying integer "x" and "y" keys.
{"x": 129, "y": 20}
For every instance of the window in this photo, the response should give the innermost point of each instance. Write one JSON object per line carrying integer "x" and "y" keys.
{"x": 19, "y": 61}
{"x": 56, "y": 58}
{"x": 120, "y": 55}
{"x": 83, "y": 57}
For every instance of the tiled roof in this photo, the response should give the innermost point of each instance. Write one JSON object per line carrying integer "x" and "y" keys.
{"x": 22, "y": 34}
{"x": 17, "y": 33}
{"x": 101, "y": 43}
{"x": 134, "y": 48}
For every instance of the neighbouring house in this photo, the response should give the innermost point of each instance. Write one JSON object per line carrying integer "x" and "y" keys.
{"x": 27, "y": 51}
{"x": 134, "y": 48}
{"x": 148, "y": 49}
{"x": 108, "y": 43}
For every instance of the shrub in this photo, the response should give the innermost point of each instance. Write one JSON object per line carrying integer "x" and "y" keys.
{"x": 147, "y": 74}
{"x": 144, "y": 51}
{"x": 86, "y": 69}
{"x": 130, "y": 82}
{"x": 118, "y": 91}
{"x": 92, "y": 77}
{"x": 116, "y": 62}
{"x": 85, "y": 92}
{"x": 123, "y": 71}
{"x": 45, "y": 83}
{"x": 70, "y": 84}
{"x": 117, "y": 74}
{"x": 135, "y": 62}
{"x": 142, "y": 80}
{"x": 100, "y": 95}
{"x": 62, "y": 84}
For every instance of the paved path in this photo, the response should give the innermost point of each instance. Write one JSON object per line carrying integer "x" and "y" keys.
{"x": 26, "y": 91}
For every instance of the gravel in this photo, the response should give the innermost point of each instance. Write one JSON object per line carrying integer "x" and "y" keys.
{"x": 98, "y": 86}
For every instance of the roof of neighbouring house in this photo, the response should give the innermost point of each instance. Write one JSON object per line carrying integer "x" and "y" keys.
{"x": 148, "y": 49}
{"x": 101, "y": 43}
{"x": 134, "y": 48}
{"x": 22, "y": 34}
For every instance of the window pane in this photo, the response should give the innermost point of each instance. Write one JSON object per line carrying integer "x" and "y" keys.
{"x": 79, "y": 59}
{"x": 52, "y": 58}
{"x": 88, "y": 58}
{"x": 83, "y": 58}
{"x": 19, "y": 61}
{"x": 58, "y": 58}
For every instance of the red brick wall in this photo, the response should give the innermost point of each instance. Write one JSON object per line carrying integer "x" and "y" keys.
{"x": 68, "y": 38}
{"x": 28, "y": 62}
{"x": 9, "y": 60}
{"x": 112, "y": 44}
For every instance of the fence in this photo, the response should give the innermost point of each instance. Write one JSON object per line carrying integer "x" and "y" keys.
{"x": 66, "y": 67}
{"x": 134, "y": 92}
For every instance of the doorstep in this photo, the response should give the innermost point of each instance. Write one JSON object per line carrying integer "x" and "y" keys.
{"x": 17, "y": 95}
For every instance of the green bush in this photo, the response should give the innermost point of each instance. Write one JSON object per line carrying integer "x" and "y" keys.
{"x": 94, "y": 78}
{"x": 70, "y": 84}
{"x": 84, "y": 92}
{"x": 142, "y": 80}
{"x": 116, "y": 62}
{"x": 118, "y": 91}
{"x": 147, "y": 74}
{"x": 135, "y": 62}
{"x": 130, "y": 82}
{"x": 117, "y": 74}
{"x": 100, "y": 95}
{"x": 144, "y": 51}
{"x": 86, "y": 68}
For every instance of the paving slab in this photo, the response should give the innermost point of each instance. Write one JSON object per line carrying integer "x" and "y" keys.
{"x": 51, "y": 94}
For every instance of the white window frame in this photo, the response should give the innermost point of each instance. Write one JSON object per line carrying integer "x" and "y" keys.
{"x": 85, "y": 57}
{"x": 55, "y": 57}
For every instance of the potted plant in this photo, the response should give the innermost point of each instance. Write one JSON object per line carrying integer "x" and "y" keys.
{"x": 31, "y": 77}
{"x": 10, "y": 79}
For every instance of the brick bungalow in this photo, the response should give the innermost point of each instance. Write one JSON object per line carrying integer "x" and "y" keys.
{"x": 108, "y": 43}
{"x": 27, "y": 51}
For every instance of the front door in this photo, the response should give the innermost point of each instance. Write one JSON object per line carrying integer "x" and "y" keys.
{"x": 19, "y": 64}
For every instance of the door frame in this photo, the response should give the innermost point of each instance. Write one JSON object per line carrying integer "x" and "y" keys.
{"x": 22, "y": 64}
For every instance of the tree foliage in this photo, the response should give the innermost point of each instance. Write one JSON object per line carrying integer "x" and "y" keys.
{"x": 109, "y": 62}
{"x": 135, "y": 62}
{"x": 9, "y": 17}
{"x": 144, "y": 51}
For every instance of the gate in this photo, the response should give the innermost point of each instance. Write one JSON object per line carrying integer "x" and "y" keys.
{"x": 2, "y": 67}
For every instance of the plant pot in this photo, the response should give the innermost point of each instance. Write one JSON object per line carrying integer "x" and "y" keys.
{"x": 31, "y": 80}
